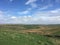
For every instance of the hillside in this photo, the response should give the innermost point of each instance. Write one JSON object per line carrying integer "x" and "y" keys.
{"x": 29, "y": 34}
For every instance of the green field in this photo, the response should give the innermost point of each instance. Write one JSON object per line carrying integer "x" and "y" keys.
{"x": 29, "y": 34}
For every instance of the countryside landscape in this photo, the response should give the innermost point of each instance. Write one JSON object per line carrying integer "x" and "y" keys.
{"x": 16, "y": 34}
{"x": 29, "y": 22}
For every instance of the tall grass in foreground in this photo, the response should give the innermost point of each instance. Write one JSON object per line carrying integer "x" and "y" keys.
{"x": 8, "y": 38}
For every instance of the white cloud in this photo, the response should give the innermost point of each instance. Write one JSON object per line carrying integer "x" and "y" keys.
{"x": 32, "y": 3}
{"x": 25, "y": 11}
{"x": 55, "y": 11}
{"x": 47, "y": 17}
{"x": 13, "y": 17}
{"x": 1, "y": 12}
{"x": 45, "y": 7}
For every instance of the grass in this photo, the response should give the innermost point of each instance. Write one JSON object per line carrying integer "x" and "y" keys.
{"x": 7, "y": 38}
{"x": 12, "y": 35}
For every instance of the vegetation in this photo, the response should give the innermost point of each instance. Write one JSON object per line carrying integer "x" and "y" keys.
{"x": 29, "y": 34}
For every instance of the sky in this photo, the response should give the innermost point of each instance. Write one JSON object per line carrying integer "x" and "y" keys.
{"x": 29, "y": 11}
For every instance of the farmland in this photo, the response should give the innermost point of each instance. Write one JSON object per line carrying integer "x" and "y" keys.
{"x": 14, "y": 34}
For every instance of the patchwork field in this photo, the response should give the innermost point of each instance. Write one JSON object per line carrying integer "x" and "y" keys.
{"x": 29, "y": 34}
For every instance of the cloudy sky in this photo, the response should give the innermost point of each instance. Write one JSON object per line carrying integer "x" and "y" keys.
{"x": 29, "y": 11}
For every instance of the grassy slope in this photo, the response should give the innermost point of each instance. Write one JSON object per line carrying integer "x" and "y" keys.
{"x": 11, "y": 35}
{"x": 8, "y": 38}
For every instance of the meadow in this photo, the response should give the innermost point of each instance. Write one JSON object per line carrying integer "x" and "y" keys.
{"x": 15, "y": 34}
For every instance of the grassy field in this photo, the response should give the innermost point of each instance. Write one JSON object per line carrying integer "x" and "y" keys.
{"x": 29, "y": 34}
